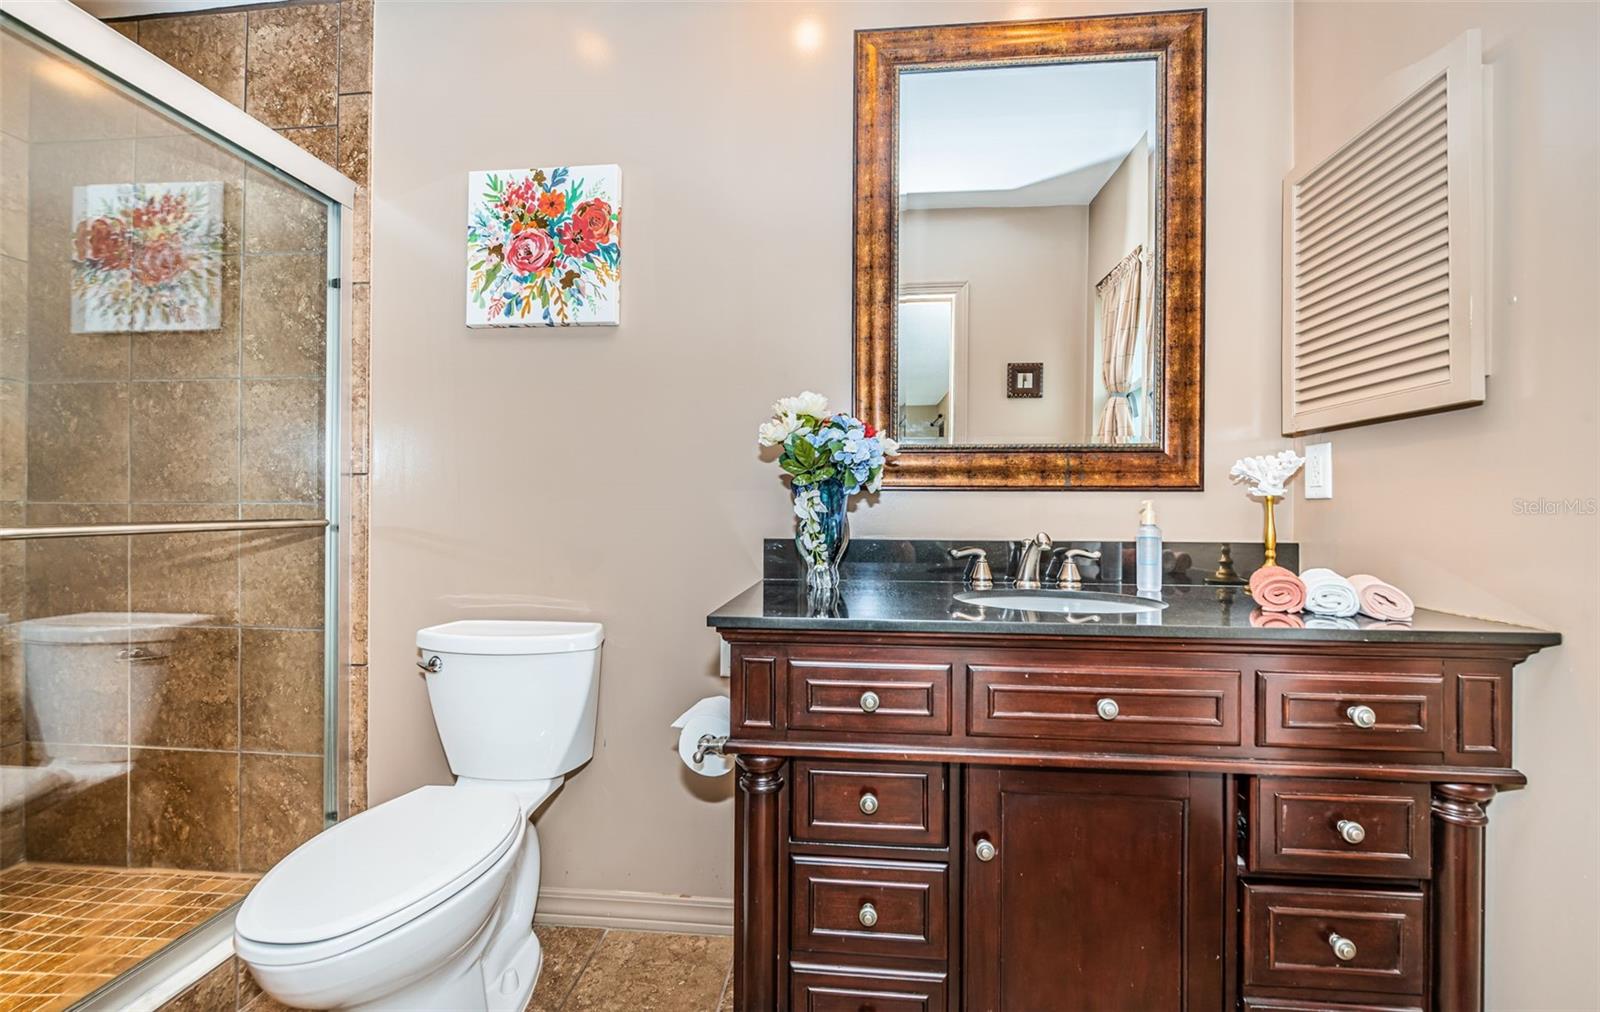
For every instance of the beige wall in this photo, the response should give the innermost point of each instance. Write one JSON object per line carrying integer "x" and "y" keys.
{"x": 613, "y": 473}
{"x": 1437, "y": 497}
{"x": 1025, "y": 303}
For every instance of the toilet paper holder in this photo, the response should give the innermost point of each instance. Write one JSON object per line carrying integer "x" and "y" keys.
{"x": 709, "y": 744}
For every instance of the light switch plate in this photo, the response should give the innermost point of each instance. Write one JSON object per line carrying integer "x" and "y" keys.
{"x": 1319, "y": 471}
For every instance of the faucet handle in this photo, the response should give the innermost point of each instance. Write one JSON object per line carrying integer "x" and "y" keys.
{"x": 1068, "y": 578}
{"x": 978, "y": 575}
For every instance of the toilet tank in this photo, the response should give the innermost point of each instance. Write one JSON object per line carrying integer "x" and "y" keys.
{"x": 513, "y": 700}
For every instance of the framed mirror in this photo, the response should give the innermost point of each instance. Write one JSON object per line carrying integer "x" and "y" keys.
{"x": 1029, "y": 251}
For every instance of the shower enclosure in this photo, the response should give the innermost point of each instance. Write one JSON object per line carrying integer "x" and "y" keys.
{"x": 170, "y": 393}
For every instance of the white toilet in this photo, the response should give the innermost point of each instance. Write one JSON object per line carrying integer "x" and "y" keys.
{"x": 426, "y": 901}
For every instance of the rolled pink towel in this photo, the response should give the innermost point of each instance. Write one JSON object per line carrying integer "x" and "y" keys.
{"x": 1382, "y": 600}
{"x": 1277, "y": 589}
{"x": 1275, "y": 620}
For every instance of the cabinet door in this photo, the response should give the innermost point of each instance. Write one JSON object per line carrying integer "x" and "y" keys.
{"x": 1102, "y": 891}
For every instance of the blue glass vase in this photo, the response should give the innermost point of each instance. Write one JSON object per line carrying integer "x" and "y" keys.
{"x": 822, "y": 530}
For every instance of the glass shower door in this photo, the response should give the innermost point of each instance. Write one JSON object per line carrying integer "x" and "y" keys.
{"x": 166, "y": 357}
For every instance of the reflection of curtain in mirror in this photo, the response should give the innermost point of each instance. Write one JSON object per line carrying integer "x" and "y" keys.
{"x": 1147, "y": 361}
{"x": 1120, "y": 293}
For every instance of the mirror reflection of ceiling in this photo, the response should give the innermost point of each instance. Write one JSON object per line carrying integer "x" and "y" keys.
{"x": 924, "y": 336}
{"x": 1028, "y": 136}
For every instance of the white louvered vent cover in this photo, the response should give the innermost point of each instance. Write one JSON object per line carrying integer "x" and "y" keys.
{"x": 1385, "y": 255}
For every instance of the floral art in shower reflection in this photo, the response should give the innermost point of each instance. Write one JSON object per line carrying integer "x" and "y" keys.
{"x": 146, "y": 256}
{"x": 544, "y": 247}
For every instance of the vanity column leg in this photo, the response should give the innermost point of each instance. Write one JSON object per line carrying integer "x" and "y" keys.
{"x": 755, "y": 887}
{"x": 1459, "y": 820}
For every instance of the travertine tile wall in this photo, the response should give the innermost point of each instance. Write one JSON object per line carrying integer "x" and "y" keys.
{"x": 198, "y": 746}
{"x": 220, "y": 742}
{"x": 13, "y": 409}
{"x": 305, "y": 69}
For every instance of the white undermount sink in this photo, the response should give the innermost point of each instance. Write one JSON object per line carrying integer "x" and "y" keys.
{"x": 1060, "y": 602}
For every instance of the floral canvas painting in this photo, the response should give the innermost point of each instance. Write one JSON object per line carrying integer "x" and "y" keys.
{"x": 544, "y": 247}
{"x": 146, "y": 256}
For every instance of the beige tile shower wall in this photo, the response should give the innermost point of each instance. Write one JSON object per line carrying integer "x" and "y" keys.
{"x": 613, "y": 473}
{"x": 1449, "y": 506}
{"x": 304, "y": 69}
{"x": 14, "y": 159}
{"x": 223, "y": 736}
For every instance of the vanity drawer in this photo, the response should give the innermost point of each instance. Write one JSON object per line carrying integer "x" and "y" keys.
{"x": 1339, "y": 827}
{"x": 886, "y": 908}
{"x": 864, "y": 989}
{"x": 1291, "y": 935}
{"x": 899, "y": 804}
{"x": 1329, "y": 709}
{"x": 1186, "y": 705}
{"x": 829, "y": 695}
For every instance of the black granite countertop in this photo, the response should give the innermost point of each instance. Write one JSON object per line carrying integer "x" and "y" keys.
{"x": 1191, "y": 612}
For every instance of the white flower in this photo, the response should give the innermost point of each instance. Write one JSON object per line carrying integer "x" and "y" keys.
{"x": 890, "y": 447}
{"x": 812, "y": 404}
{"x": 774, "y": 432}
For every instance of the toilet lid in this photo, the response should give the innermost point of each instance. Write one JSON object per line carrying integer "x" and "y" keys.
{"x": 409, "y": 854}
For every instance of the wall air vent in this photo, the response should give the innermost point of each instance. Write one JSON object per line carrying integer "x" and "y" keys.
{"x": 1384, "y": 307}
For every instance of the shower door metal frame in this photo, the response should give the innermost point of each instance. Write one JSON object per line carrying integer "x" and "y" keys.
{"x": 79, "y": 35}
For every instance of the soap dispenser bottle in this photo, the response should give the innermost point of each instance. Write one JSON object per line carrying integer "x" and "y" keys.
{"x": 1147, "y": 550}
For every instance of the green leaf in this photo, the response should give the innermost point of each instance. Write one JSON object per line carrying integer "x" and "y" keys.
{"x": 488, "y": 278}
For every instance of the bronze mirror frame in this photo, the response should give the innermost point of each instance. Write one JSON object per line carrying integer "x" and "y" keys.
{"x": 1177, "y": 40}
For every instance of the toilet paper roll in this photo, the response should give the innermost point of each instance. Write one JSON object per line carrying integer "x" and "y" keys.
{"x": 710, "y": 715}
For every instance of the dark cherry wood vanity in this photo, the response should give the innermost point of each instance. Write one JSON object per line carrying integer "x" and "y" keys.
{"x": 1036, "y": 815}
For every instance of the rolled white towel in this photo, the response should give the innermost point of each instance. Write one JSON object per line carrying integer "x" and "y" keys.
{"x": 1328, "y": 593}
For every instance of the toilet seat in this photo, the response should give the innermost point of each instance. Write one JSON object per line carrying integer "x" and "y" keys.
{"x": 379, "y": 870}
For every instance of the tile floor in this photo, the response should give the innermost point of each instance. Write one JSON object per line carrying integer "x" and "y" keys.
{"x": 594, "y": 970}
{"x": 67, "y": 929}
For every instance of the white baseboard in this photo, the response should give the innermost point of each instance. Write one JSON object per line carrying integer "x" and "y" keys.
{"x": 632, "y": 911}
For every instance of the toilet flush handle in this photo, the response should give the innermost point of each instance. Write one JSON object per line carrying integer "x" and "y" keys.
{"x": 432, "y": 665}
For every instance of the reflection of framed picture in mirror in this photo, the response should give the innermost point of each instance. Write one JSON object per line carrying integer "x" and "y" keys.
{"x": 1025, "y": 379}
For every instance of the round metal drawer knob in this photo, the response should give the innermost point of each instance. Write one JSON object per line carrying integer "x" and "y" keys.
{"x": 870, "y": 702}
{"x": 868, "y": 915}
{"x": 1107, "y": 709}
{"x": 1344, "y": 950}
{"x": 986, "y": 850}
{"x": 869, "y": 804}
{"x": 1351, "y": 831}
{"x": 1362, "y": 716}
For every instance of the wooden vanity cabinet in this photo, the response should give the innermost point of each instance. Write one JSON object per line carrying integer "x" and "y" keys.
{"x": 1029, "y": 823}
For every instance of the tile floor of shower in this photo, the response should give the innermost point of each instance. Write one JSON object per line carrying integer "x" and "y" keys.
{"x": 67, "y": 929}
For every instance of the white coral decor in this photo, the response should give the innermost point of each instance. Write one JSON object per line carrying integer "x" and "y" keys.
{"x": 1266, "y": 476}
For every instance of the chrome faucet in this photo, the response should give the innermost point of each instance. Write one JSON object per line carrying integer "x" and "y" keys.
{"x": 1026, "y": 575}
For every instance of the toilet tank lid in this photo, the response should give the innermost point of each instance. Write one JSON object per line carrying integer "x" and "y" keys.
{"x": 490, "y": 636}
